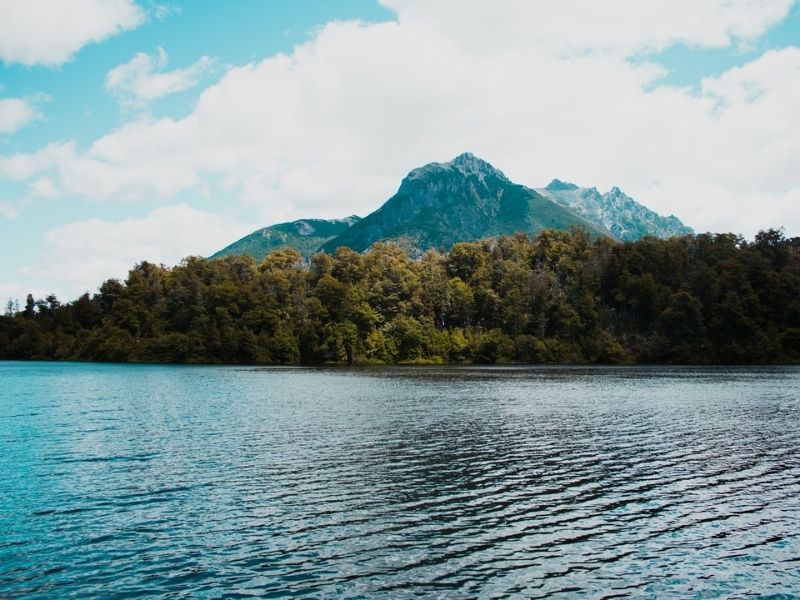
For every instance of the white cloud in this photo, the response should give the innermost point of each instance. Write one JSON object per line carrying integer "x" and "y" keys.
{"x": 97, "y": 176}
{"x": 541, "y": 89}
{"x": 575, "y": 27}
{"x": 747, "y": 83}
{"x": 44, "y": 188}
{"x": 50, "y": 32}
{"x": 143, "y": 79}
{"x": 8, "y": 211}
{"x": 162, "y": 11}
{"x": 80, "y": 256}
{"x": 16, "y": 113}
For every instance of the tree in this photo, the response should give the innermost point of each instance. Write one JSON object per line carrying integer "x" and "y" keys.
{"x": 30, "y": 306}
{"x": 559, "y": 297}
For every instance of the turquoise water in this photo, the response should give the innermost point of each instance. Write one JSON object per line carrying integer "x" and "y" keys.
{"x": 152, "y": 481}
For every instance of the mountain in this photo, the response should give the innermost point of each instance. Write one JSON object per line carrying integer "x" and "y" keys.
{"x": 305, "y": 236}
{"x": 616, "y": 211}
{"x": 465, "y": 199}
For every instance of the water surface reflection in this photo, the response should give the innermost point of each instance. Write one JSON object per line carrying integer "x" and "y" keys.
{"x": 395, "y": 482}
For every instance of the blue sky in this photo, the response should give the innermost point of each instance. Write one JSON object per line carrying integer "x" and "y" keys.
{"x": 153, "y": 131}
{"x": 688, "y": 65}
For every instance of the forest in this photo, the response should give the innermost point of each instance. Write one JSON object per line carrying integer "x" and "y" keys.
{"x": 560, "y": 297}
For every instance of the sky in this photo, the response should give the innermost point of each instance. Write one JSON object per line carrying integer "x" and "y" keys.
{"x": 135, "y": 130}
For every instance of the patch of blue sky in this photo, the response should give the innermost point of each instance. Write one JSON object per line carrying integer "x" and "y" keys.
{"x": 686, "y": 66}
{"x": 75, "y": 106}
{"x": 23, "y": 238}
{"x": 232, "y": 33}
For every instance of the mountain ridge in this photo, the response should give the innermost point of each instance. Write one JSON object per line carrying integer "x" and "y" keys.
{"x": 304, "y": 235}
{"x": 465, "y": 199}
{"x": 626, "y": 218}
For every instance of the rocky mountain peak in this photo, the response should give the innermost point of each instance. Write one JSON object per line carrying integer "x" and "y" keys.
{"x": 615, "y": 210}
{"x": 466, "y": 164}
{"x": 443, "y": 203}
{"x": 560, "y": 186}
{"x": 469, "y": 164}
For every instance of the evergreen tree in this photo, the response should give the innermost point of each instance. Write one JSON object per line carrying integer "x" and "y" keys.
{"x": 558, "y": 297}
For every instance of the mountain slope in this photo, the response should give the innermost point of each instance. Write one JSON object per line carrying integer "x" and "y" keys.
{"x": 305, "y": 236}
{"x": 616, "y": 211}
{"x": 465, "y": 199}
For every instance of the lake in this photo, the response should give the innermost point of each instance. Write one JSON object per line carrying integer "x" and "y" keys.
{"x": 137, "y": 480}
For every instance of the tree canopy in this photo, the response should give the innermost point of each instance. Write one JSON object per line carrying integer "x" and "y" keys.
{"x": 560, "y": 297}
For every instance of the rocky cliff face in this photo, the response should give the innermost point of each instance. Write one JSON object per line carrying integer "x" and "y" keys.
{"x": 465, "y": 199}
{"x": 616, "y": 211}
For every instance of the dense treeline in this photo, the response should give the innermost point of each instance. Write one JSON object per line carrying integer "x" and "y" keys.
{"x": 560, "y": 297}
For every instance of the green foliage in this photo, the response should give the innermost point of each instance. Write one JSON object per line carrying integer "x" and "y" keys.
{"x": 305, "y": 236}
{"x": 560, "y": 297}
{"x": 467, "y": 199}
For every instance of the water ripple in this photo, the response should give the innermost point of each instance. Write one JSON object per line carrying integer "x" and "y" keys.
{"x": 132, "y": 481}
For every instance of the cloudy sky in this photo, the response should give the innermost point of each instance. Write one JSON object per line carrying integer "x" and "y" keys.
{"x": 138, "y": 130}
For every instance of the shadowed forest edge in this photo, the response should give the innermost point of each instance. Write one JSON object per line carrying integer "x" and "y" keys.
{"x": 560, "y": 297}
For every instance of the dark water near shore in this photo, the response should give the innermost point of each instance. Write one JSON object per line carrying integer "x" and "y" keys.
{"x": 444, "y": 482}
